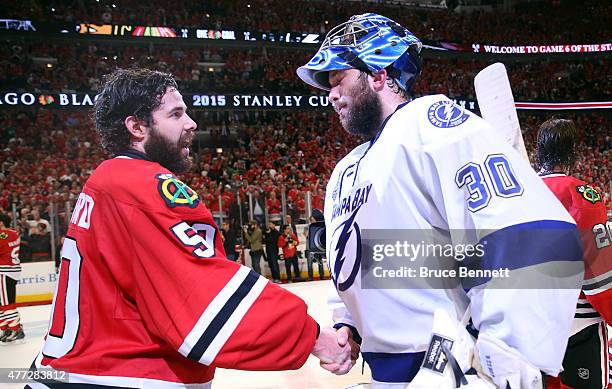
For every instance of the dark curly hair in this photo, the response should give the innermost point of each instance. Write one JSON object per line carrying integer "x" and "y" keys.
{"x": 556, "y": 140}
{"x": 127, "y": 92}
{"x": 6, "y": 220}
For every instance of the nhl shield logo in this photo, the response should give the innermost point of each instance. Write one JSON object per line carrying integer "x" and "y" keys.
{"x": 446, "y": 114}
{"x": 584, "y": 373}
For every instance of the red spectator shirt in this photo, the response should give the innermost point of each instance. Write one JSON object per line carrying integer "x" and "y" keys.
{"x": 9, "y": 254}
{"x": 274, "y": 206}
{"x": 146, "y": 296}
{"x": 586, "y": 206}
{"x": 289, "y": 250}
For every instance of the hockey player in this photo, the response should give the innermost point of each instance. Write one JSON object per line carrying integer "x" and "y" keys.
{"x": 428, "y": 164}
{"x": 11, "y": 330}
{"x": 146, "y": 297}
{"x": 586, "y": 360}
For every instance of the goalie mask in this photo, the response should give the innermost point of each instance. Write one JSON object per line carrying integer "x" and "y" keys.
{"x": 370, "y": 43}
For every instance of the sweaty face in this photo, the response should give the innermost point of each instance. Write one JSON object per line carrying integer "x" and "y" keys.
{"x": 171, "y": 133}
{"x": 357, "y": 105}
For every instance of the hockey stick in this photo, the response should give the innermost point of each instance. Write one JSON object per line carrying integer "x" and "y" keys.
{"x": 496, "y": 104}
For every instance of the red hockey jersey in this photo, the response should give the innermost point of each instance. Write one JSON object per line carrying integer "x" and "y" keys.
{"x": 9, "y": 253}
{"x": 146, "y": 296}
{"x": 586, "y": 206}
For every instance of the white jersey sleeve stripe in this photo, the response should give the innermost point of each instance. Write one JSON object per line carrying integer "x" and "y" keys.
{"x": 222, "y": 316}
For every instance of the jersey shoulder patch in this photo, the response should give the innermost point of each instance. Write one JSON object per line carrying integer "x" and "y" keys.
{"x": 588, "y": 193}
{"x": 175, "y": 192}
{"x": 446, "y": 114}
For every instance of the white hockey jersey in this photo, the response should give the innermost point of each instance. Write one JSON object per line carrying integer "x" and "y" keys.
{"x": 435, "y": 166}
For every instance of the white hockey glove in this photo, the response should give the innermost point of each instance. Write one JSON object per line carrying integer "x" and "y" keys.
{"x": 506, "y": 367}
{"x": 449, "y": 356}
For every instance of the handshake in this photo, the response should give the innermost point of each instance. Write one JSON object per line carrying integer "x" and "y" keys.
{"x": 336, "y": 350}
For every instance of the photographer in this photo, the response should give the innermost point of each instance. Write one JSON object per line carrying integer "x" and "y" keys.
{"x": 271, "y": 238}
{"x": 288, "y": 242}
{"x": 254, "y": 236}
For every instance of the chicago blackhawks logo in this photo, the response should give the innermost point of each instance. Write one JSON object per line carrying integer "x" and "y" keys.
{"x": 589, "y": 193}
{"x": 176, "y": 193}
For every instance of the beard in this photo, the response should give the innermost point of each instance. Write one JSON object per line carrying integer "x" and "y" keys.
{"x": 364, "y": 117}
{"x": 167, "y": 154}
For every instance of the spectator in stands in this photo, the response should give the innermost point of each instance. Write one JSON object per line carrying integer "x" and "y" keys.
{"x": 274, "y": 206}
{"x": 254, "y": 237}
{"x": 292, "y": 210}
{"x": 40, "y": 243}
{"x": 271, "y": 237}
{"x": 289, "y": 222}
{"x": 25, "y": 254}
{"x": 288, "y": 242}
{"x": 258, "y": 209}
{"x": 229, "y": 236}
{"x": 36, "y": 220}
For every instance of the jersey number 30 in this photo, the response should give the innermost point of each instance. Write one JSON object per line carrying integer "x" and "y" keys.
{"x": 499, "y": 174}
{"x": 65, "y": 320}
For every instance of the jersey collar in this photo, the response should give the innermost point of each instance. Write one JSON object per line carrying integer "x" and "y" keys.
{"x": 134, "y": 154}
{"x": 551, "y": 174}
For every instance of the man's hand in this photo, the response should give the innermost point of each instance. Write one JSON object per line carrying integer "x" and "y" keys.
{"x": 334, "y": 356}
{"x": 345, "y": 335}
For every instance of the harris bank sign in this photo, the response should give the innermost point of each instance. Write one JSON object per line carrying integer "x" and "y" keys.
{"x": 193, "y": 101}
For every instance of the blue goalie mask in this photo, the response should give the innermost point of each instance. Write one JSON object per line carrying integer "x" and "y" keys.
{"x": 370, "y": 43}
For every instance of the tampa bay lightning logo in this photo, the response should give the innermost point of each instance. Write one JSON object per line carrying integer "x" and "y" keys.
{"x": 446, "y": 114}
{"x": 341, "y": 236}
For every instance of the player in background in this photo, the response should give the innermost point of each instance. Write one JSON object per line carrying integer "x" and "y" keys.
{"x": 146, "y": 297}
{"x": 429, "y": 165}
{"x": 11, "y": 330}
{"x": 586, "y": 360}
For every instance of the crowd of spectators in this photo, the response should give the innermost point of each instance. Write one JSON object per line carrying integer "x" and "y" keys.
{"x": 79, "y": 67}
{"x": 47, "y": 155}
{"x": 544, "y": 22}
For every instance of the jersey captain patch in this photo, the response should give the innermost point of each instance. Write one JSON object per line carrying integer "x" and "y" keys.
{"x": 176, "y": 193}
{"x": 589, "y": 193}
{"x": 446, "y": 114}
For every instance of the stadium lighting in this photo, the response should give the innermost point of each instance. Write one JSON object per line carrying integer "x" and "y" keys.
{"x": 219, "y": 150}
{"x": 49, "y": 65}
